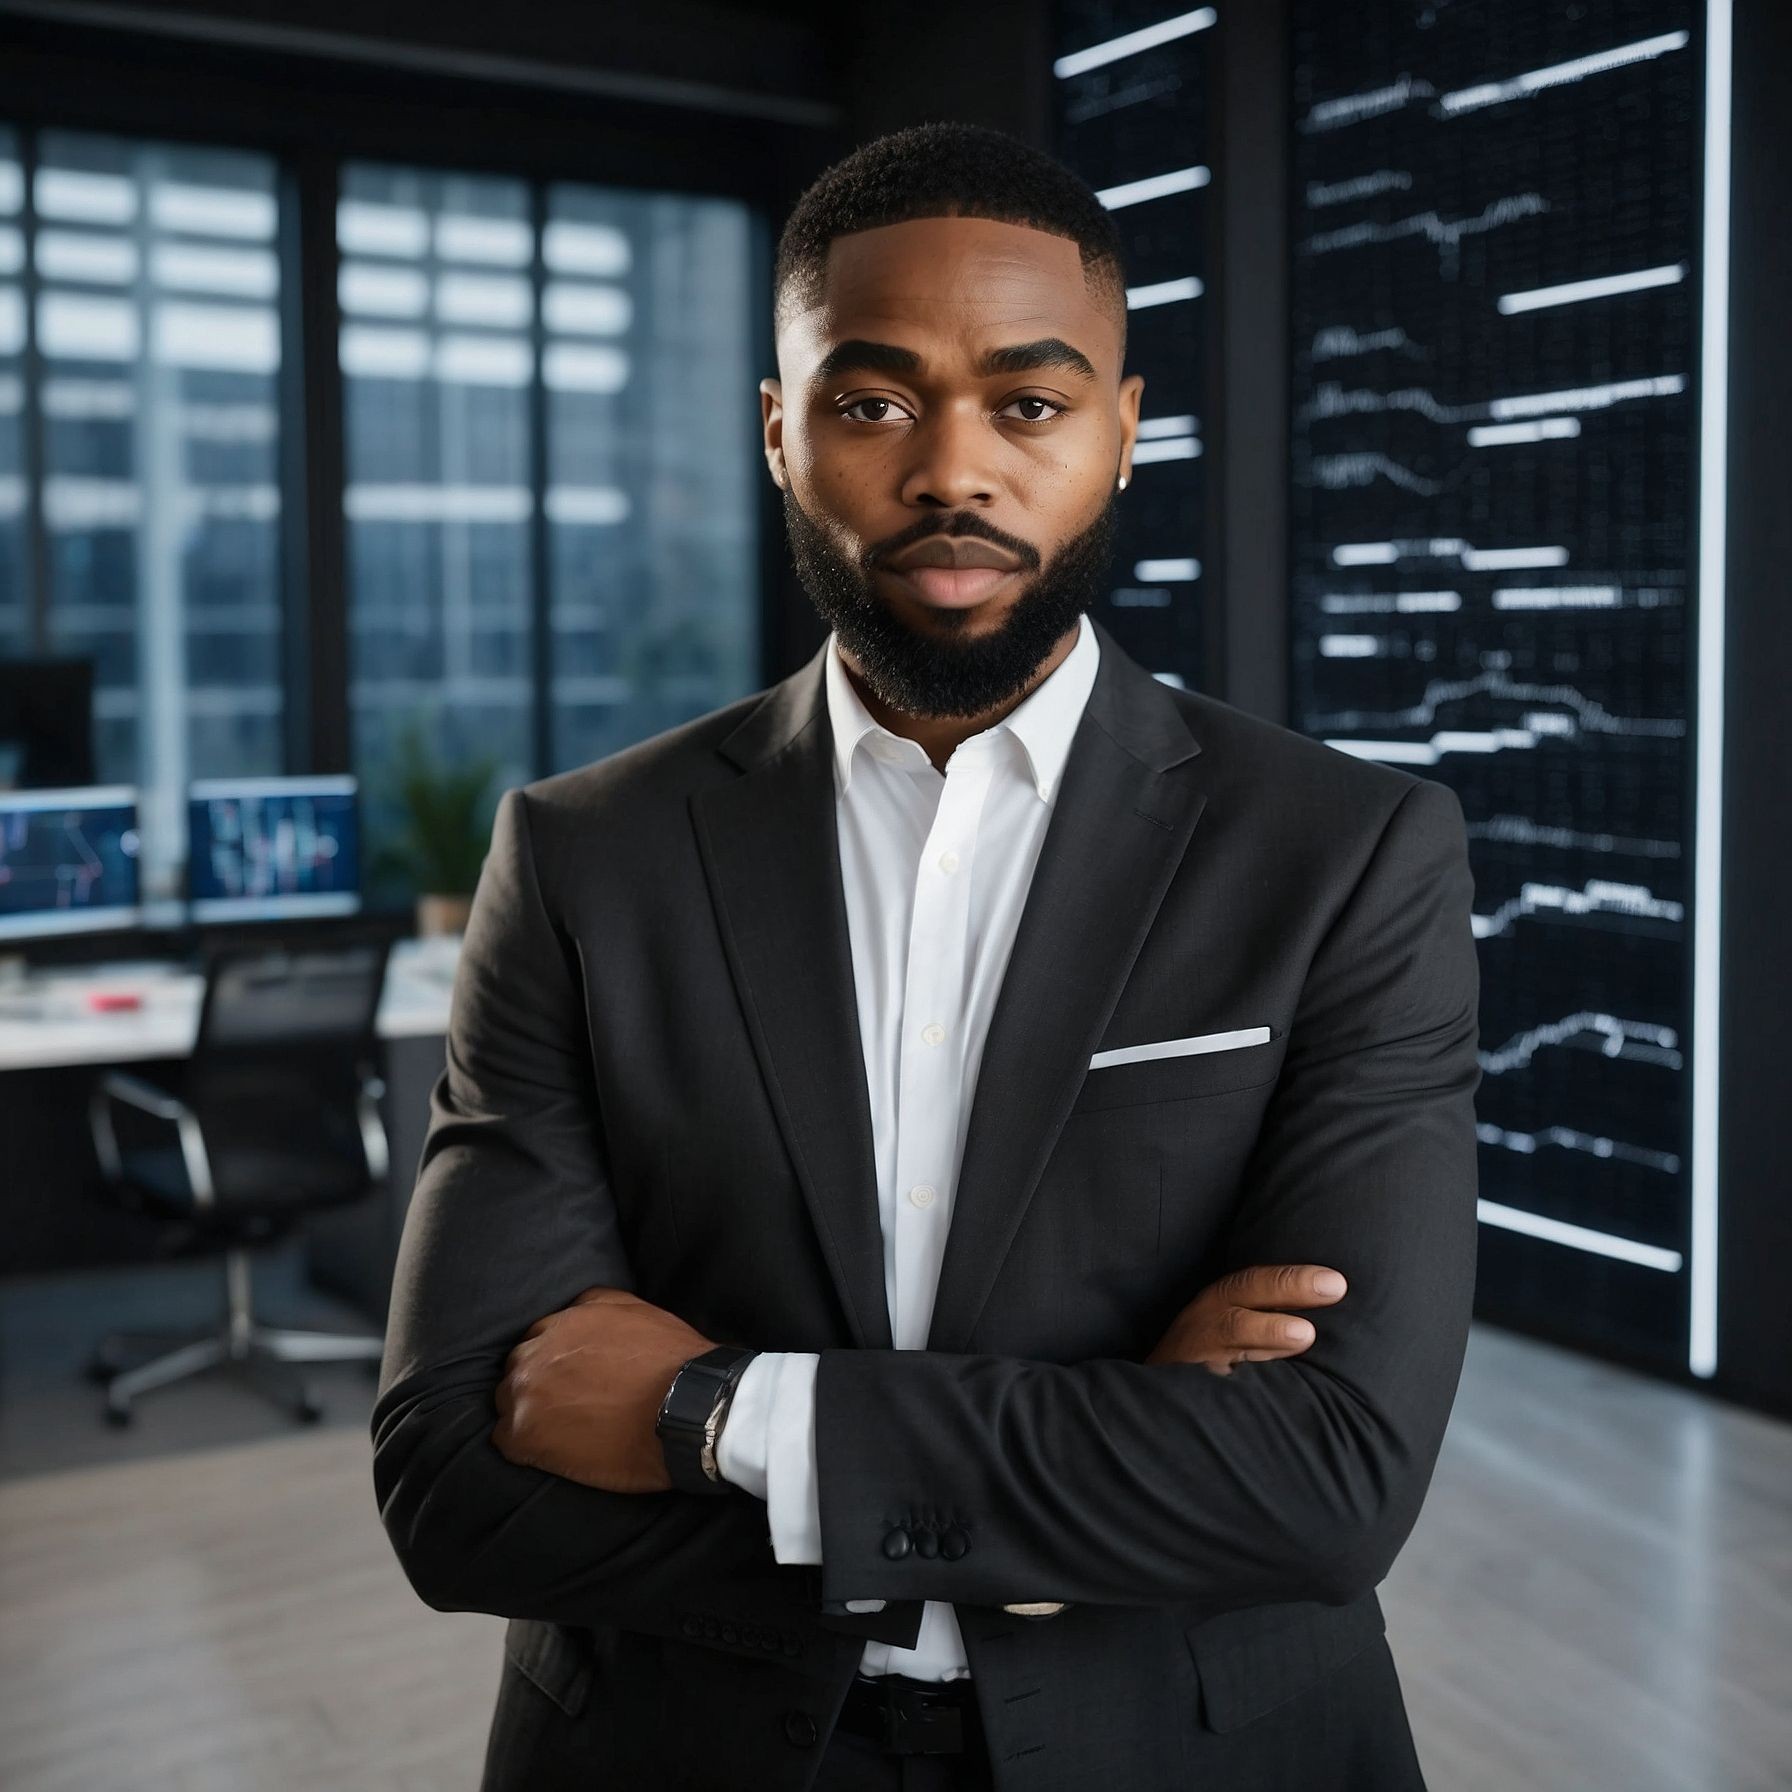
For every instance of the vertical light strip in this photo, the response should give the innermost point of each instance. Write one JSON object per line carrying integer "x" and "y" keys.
{"x": 1714, "y": 415}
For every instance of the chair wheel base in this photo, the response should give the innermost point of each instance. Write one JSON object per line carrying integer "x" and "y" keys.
{"x": 119, "y": 1416}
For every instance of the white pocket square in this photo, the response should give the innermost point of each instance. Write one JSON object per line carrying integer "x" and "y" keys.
{"x": 1177, "y": 1048}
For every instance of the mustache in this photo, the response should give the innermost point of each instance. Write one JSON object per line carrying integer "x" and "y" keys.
{"x": 964, "y": 522}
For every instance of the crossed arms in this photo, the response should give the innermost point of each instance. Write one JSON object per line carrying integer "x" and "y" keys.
{"x": 1104, "y": 1481}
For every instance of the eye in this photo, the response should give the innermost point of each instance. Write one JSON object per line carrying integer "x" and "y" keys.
{"x": 1056, "y": 410}
{"x": 888, "y": 405}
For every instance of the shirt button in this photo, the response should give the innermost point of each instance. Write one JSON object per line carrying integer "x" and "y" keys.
{"x": 933, "y": 1032}
{"x": 921, "y": 1195}
{"x": 948, "y": 862}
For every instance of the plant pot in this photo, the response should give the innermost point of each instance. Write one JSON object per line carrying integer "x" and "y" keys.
{"x": 442, "y": 914}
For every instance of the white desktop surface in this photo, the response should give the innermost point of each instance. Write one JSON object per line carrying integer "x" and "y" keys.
{"x": 45, "y": 1023}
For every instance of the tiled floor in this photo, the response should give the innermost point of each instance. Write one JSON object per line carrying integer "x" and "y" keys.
{"x": 1597, "y": 1598}
{"x": 52, "y": 1418}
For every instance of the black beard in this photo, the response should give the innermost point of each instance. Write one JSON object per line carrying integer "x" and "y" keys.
{"x": 924, "y": 675}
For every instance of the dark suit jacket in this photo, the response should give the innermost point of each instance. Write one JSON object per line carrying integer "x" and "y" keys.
{"x": 654, "y": 1080}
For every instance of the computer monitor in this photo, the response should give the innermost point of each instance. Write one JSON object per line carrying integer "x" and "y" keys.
{"x": 272, "y": 849}
{"x": 46, "y": 724}
{"x": 68, "y": 861}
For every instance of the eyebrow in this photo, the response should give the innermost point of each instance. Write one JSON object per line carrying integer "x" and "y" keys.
{"x": 856, "y": 355}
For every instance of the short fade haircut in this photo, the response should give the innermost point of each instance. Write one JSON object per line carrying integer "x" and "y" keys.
{"x": 944, "y": 170}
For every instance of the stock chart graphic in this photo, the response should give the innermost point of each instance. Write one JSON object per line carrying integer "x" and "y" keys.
{"x": 268, "y": 848}
{"x": 1496, "y": 260}
{"x": 68, "y": 860}
{"x": 1131, "y": 118}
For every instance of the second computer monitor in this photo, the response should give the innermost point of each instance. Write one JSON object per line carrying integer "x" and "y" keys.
{"x": 269, "y": 849}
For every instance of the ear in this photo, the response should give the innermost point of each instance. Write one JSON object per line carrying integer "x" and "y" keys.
{"x": 1131, "y": 389}
{"x": 771, "y": 409}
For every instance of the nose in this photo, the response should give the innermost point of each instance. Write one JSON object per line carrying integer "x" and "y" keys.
{"x": 950, "y": 462}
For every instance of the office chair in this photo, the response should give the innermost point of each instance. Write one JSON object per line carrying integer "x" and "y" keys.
{"x": 275, "y": 1116}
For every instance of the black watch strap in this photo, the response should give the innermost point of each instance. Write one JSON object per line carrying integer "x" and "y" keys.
{"x": 692, "y": 1412}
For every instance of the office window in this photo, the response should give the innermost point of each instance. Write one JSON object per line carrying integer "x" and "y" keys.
{"x": 158, "y": 350}
{"x": 653, "y": 462}
{"x": 550, "y": 424}
{"x": 15, "y": 613}
{"x": 437, "y": 359}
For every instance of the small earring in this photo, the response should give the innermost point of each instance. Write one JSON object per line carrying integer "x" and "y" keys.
{"x": 1123, "y": 482}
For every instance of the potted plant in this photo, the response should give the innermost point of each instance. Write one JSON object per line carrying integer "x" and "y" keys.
{"x": 443, "y": 810}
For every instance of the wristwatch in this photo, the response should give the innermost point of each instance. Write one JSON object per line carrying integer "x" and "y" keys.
{"x": 692, "y": 1412}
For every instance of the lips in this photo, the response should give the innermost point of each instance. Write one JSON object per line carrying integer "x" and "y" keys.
{"x": 953, "y": 551}
{"x": 953, "y": 587}
{"x": 953, "y": 571}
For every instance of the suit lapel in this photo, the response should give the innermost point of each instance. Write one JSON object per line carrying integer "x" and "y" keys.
{"x": 1125, "y": 809}
{"x": 771, "y": 848}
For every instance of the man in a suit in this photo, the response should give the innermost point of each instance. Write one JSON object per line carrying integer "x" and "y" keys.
{"x": 875, "y": 1110}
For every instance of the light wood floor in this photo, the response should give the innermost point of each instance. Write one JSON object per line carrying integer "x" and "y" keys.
{"x": 1598, "y": 1596}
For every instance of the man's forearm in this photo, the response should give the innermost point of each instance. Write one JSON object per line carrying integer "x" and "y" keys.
{"x": 477, "y": 1533}
{"x": 1108, "y": 1482}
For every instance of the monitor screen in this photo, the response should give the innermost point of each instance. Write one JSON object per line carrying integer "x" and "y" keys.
{"x": 68, "y": 861}
{"x": 268, "y": 849}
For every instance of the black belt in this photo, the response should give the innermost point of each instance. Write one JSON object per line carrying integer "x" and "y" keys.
{"x": 913, "y": 1717}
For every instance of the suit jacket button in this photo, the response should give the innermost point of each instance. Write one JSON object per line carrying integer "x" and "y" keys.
{"x": 953, "y": 1543}
{"x": 897, "y": 1543}
{"x": 800, "y": 1730}
{"x": 927, "y": 1541}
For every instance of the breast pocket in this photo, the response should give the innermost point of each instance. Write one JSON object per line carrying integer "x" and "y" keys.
{"x": 1182, "y": 1075}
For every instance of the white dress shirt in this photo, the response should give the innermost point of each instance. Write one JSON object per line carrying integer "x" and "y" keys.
{"x": 936, "y": 869}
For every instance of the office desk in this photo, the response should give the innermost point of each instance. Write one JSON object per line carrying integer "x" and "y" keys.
{"x": 52, "y": 1045}
{"x": 45, "y": 1022}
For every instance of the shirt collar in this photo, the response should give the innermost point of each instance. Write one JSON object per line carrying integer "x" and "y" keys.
{"x": 1044, "y": 721}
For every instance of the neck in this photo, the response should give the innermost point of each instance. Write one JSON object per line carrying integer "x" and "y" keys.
{"x": 939, "y": 736}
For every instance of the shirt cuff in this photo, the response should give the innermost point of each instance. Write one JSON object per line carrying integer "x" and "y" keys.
{"x": 767, "y": 1446}
{"x": 741, "y": 1447}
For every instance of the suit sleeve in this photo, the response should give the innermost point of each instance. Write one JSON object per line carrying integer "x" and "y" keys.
{"x": 511, "y": 1217}
{"x": 1125, "y": 1483}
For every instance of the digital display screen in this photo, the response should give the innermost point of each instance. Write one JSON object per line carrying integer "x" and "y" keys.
{"x": 1496, "y": 251}
{"x": 68, "y": 861}
{"x": 1130, "y": 106}
{"x": 273, "y": 848}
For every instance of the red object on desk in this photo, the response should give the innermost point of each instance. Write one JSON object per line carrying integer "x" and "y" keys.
{"x": 103, "y": 1001}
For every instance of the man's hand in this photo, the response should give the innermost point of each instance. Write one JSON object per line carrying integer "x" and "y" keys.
{"x": 581, "y": 1393}
{"x": 1238, "y": 1319}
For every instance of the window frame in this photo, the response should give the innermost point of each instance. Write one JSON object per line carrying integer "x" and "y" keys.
{"x": 313, "y": 116}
